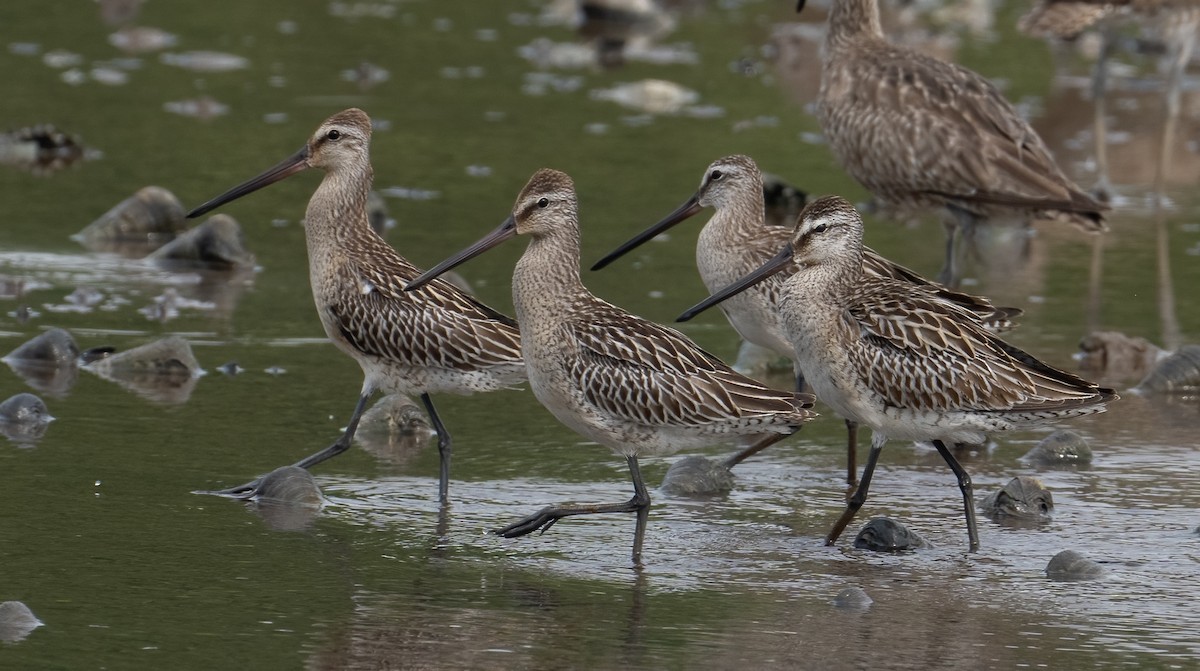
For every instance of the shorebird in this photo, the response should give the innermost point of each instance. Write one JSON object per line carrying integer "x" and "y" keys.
{"x": 617, "y": 379}
{"x": 1177, "y": 22}
{"x": 737, "y": 240}
{"x": 437, "y": 340}
{"x": 899, "y": 358}
{"x": 920, "y": 132}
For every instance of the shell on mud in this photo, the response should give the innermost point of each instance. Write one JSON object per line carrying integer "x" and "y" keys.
{"x": 41, "y": 149}
{"x": 883, "y": 534}
{"x": 135, "y": 226}
{"x": 217, "y": 243}
{"x": 1179, "y": 373}
{"x": 1071, "y": 565}
{"x": 1024, "y": 498}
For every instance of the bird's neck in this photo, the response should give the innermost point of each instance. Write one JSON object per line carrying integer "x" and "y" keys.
{"x": 338, "y": 210}
{"x": 546, "y": 277}
{"x": 852, "y": 21}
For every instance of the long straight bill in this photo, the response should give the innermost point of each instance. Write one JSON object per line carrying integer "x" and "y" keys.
{"x": 505, "y": 231}
{"x": 777, "y": 263}
{"x": 688, "y": 209}
{"x": 286, "y": 168}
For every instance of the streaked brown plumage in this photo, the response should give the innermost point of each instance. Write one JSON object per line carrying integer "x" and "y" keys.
{"x": 920, "y": 132}
{"x": 436, "y": 340}
{"x": 736, "y": 240}
{"x": 617, "y": 379}
{"x": 900, "y": 359}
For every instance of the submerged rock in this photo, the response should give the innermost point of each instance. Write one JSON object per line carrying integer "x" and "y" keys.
{"x": 164, "y": 370}
{"x": 144, "y": 221}
{"x": 1023, "y": 499}
{"x": 1114, "y": 355}
{"x": 1061, "y": 448}
{"x": 697, "y": 476}
{"x": 216, "y": 243}
{"x": 288, "y": 499}
{"x": 289, "y": 484}
{"x": 24, "y": 409}
{"x": 1070, "y": 565}
{"x": 883, "y": 534}
{"x": 54, "y": 347}
{"x": 23, "y": 419}
{"x": 1178, "y": 373}
{"x": 853, "y": 598}
{"x": 395, "y": 429}
{"x": 16, "y": 621}
{"x": 48, "y": 362}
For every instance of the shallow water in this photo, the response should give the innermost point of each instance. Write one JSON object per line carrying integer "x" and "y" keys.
{"x": 102, "y": 537}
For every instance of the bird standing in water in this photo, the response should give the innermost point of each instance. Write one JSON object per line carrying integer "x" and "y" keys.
{"x": 736, "y": 240}
{"x": 437, "y": 340}
{"x": 900, "y": 359}
{"x": 920, "y": 132}
{"x": 617, "y": 379}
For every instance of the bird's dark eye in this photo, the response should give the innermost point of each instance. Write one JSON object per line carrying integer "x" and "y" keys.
{"x": 333, "y": 134}
{"x": 820, "y": 228}
{"x": 716, "y": 175}
{"x": 544, "y": 202}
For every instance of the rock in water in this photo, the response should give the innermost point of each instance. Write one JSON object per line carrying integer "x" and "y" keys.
{"x": 1070, "y": 565}
{"x": 144, "y": 221}
{"x": 883, "y": 534}
{"x": 1179, "y": 373}
{"x": 1061, "y": 448}
{"x": 1024, "y": 498}
{"x": 217, "y": 243}
{"x": 697, "y": 476}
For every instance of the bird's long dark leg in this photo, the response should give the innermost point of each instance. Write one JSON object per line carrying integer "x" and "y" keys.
{"x": 964, "y": 485}
{"x": 545, "y": 518}
{"x": 760, "y": 445}
{"x": 851, "y": 452}
{"x": 443, "y": 450}
{"x": 342, "y": 444}
{"x": 860, "y": 495}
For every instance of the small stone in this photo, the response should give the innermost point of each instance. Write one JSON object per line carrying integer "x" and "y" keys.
{"x": 1063, "y": 447}
{"x": 24, "y": 409}
{"x": 697, "y": 476}
{"x": 1023, "y": 499}
{"x": 55, "y": 347}
{"x": 853, "y": 598}
{"x": 1069, "y": 565}
{"x": 883, "y": 534}
{"x": 16, "y": 621}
